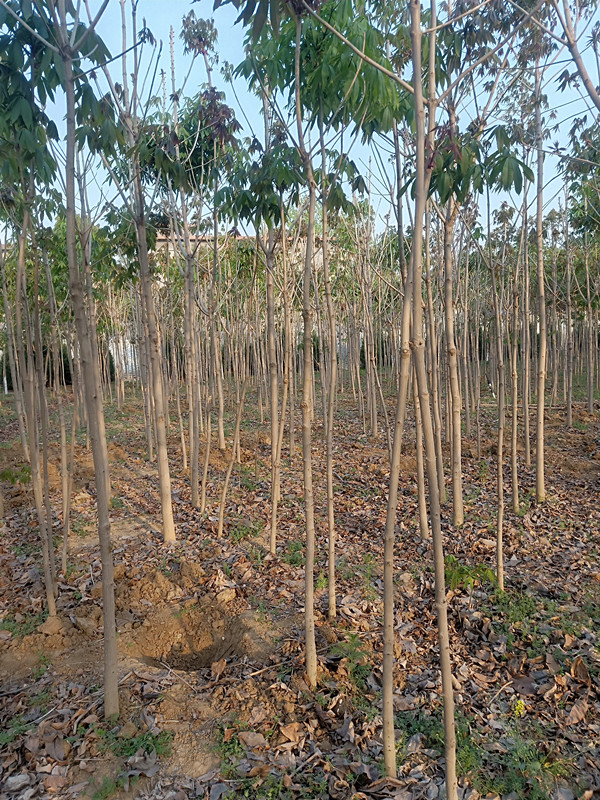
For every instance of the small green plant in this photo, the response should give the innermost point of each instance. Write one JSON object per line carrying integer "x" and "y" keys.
{"x": 468, "y": 751}
{"x": 40, "y": 700}
{"x": 294, "y": 555}
{"x": 430, "y": 726}
{"x": 484, "y": 470}
{"x": 18, "y": 474}
{"x": 227, "y": 743}
{"x": 26, "y": 548}
{"x": 345, "y": 570}
{"x": 41, "y": 667}
{"x": 25, "y": 625}
{"x": 321, "y": 582}
{"x": 524, "y": 506}
{"x": 108, "y": 787}
{"x": 164, "y": 568}
{"x": 14, "y": 728}
{"x": 244, "y": 530}
{"x": 358, "y": 664}
{"x": 460, "y": 575}
{"x": 524, "y": 769}
{"x": 79, "y": 527}
{"x": 256, "y": 555}
{"x": 127, "y": 747}
{"x": 247, "y": 479}
{"x": 517, "y": 607}
{"x": 116, "y": 502}
{"x": 184, "y": 610}
{"x": 473, "y": 494}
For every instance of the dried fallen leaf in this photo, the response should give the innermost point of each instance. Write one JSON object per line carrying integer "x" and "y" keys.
{"x": 257, "y": 715}
{"x": 580, "y": 671}
{"x": 260, "y": 770}
{"x": 292, "y": 732}
{"x": 552, "y": 663}
{"x": 525, "y": 685}
{"x": 577, "y": 712}
{"x": 252, "y": 739}
{"x": 217, "y": 669}
{"x": 228, "y": 734}
{"x": 347, "y": 730}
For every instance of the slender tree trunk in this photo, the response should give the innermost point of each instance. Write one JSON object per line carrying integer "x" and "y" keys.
{"x": 93, "y": 392}
{"x": 307, "y": 389}
{"x": 164, "y": 474}
{"x": 454, "y": 394}
{"x": 569, "y": 362}
{"x": 418, "y": 349}
{"x": 540, "y": 486}
{"x": 273, "y": 382}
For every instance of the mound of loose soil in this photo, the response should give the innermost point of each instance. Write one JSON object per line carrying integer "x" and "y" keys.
{"x": 189, "y": 638}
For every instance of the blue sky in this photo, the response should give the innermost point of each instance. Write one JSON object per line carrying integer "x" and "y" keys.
{"x": 160, "y": 17}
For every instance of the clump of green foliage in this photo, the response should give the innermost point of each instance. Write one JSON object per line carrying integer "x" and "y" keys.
{"x": 128, "y": 746}
{"x": 24, "y": 627}
{"x": 244, "y": 530}
{"x": 354, "y": 651}
{"x": 294, "y": 555}
{"x": 14, "y": 728}
{"x": 460, "y": 576}
{"x": 18, "y": 474}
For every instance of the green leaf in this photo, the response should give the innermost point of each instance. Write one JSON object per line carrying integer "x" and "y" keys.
{"x": 52, "y": 131}
{"x": 25, "y": 112}
{"x": 260, "y": 18}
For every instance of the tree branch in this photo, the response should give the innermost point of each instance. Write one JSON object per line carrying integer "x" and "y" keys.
{"x": 91, "y": 27}
{"x": 28, "y": 28}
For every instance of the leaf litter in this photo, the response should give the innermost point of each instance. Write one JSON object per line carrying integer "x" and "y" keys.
{"x": 215, "y": 701}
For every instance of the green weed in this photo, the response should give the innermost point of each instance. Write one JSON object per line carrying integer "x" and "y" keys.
{"x": 127, "y": 747}
{"x": 227, "y": 743}
{"x": 523, "y": 768}
{"x": 14, "y": 728}
{"x": 459, "y": 576}
{"x": 358, "y": 665}
{"x": 41, "y": 667}
{"x": 18, "y": 474}
{"x": 27, "y": 548}
{"x": 256, "y": 555}
{"x": 262, "y": 613}
{"x": 244, "y": 530}
{"x": 28, "y": 623}
{"x": 247, "y": 479}
{"x": 40, "y": 700}
{"x": 345, "y": 570}
{"x": 109, "y": 787}
{"x": 515, "y": 606}
{"x": 294, "y": 554}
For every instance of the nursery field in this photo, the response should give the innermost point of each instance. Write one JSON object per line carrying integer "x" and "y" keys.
{"x": 213, "y": 693}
